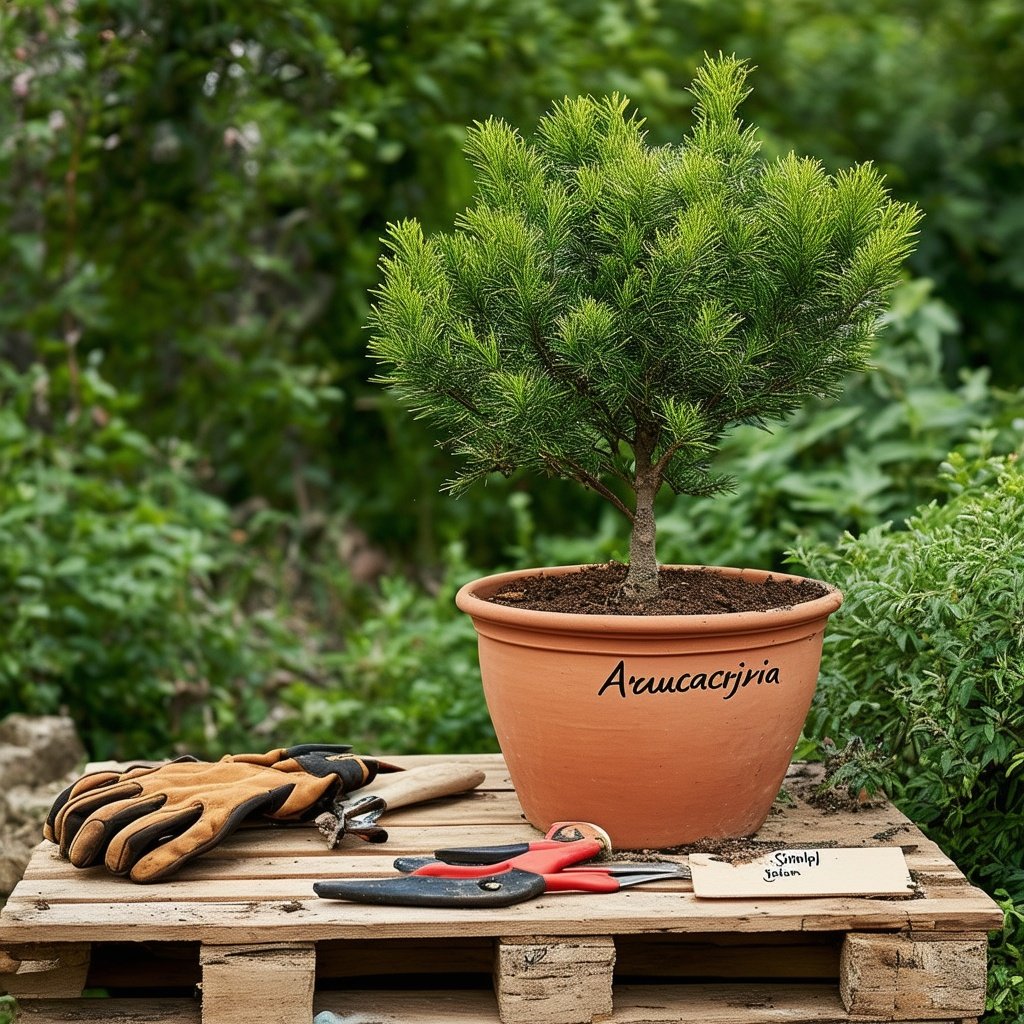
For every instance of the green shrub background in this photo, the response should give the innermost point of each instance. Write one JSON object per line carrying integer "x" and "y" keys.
{"x": 195, "y": 472}
{"x": 927, "y": 665}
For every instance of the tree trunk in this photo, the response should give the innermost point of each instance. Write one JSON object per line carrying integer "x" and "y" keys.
{"x": 642, "y": 579}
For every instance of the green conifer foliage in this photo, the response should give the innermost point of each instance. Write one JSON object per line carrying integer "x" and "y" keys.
{"x": 606, "y": 310}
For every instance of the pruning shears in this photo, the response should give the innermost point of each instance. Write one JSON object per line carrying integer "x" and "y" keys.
{"x": 498, "y": 876}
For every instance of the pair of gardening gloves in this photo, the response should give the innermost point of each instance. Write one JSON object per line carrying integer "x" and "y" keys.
{"x": 146, "y": 822}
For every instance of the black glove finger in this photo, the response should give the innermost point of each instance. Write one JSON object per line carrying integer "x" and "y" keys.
{"x": 318, "y": 748}
{"x": 137, "y": 838}
{"x": 283, "y": 757}
{"x": 214, "y": 824}
{"x": 74, "y": 813}
{"x": 89, "y": 842}
{"x": 353, "y": 770}
{"x": 93, "y": 782}
{"x": 86, "y": 784}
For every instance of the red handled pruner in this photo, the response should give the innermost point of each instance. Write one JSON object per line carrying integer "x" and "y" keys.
{"x": 531, "y": 870}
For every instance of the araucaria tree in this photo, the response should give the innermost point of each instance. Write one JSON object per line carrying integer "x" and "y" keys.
{"x": 606, "y": 310}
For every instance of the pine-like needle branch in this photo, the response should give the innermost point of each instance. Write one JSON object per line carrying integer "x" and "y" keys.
{"x": 607, "y": 310}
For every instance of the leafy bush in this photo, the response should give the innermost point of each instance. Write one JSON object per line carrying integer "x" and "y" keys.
{"x": 1005, "y": 998}
{"x": 926, "y": 659}
{"x": 108, "y": 549}
{"x": 138, "y": 604}
{"x": 927, "y": 656}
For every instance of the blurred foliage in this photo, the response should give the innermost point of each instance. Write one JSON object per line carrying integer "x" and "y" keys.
{"x": 165, "y": 623}
{"x": 928, "y": 91}
{"x": 406, "y": 678}
{"x": 199, "y": 192}
{"x": 107, "y": 554}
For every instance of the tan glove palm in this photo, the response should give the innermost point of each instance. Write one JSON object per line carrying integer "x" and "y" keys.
{"x": 147, "y": 822}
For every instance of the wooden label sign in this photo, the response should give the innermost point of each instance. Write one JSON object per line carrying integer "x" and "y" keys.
{"x": 877, "y": 871}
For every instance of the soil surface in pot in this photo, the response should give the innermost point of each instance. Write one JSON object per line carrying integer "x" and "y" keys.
{"x": 597, "y": 590}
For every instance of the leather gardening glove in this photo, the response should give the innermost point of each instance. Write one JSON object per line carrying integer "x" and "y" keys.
{"x": 272, "y": 758}
{"x": 146, "y": 822}
{"x": 275, "y": 758}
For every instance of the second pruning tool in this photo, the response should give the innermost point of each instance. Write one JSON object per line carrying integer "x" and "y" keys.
{"x": 542, "y": 867}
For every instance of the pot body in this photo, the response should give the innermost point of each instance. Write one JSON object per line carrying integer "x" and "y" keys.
{"x": 661, "y": 729}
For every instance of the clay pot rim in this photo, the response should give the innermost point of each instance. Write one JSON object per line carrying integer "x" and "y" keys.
{"x": 471, "y": 599}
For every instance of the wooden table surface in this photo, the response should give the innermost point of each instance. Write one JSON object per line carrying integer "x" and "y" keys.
{"x": 257, "y": 886}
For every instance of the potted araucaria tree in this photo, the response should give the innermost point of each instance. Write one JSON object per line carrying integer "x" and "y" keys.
{"x": 605, "y": 312}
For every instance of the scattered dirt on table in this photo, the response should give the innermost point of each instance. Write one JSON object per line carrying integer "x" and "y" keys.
{"x": 890, "y": 833}
{"x": 736, "y": 851}
{"x": 742, "y": 851}
{"x": 841, "y": 801}
{"x": 917, "y": 893}
{"x": 597, "y": 590}
{"x": 829, "y": 791}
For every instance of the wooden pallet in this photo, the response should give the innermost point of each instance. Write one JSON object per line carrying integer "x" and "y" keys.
{"x": 239, "y": 936}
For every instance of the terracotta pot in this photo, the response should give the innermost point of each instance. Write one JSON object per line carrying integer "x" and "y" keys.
{"x": 662, "y": 729}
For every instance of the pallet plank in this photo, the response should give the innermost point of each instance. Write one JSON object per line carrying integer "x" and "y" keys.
{"x": 111, "y": 1011}
{"x": 648, "y": 1005}
{"x": 554, "y": 980}
{"x": 562, "y": 914}
{"x": 634, "y": 1004}
{"x": 46, "y": 972}
{"x": 277, "y": 978}
{"x": 45, "y": 867}
{"x": 895, "y": 977}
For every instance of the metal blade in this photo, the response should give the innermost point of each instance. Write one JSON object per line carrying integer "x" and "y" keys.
{"x": 628, "y": 869}
{"x": 655, "y": 876}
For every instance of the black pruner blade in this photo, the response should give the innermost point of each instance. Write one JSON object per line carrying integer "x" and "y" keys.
{"x": 499, "y": 890}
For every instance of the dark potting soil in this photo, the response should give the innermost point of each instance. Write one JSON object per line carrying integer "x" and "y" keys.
{"x": 597, "y": 590}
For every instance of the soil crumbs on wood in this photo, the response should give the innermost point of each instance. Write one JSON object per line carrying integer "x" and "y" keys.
{"x": 830, "y": 799}
{"x": 597, "y": 590}
{"x": 735, "y": 851}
